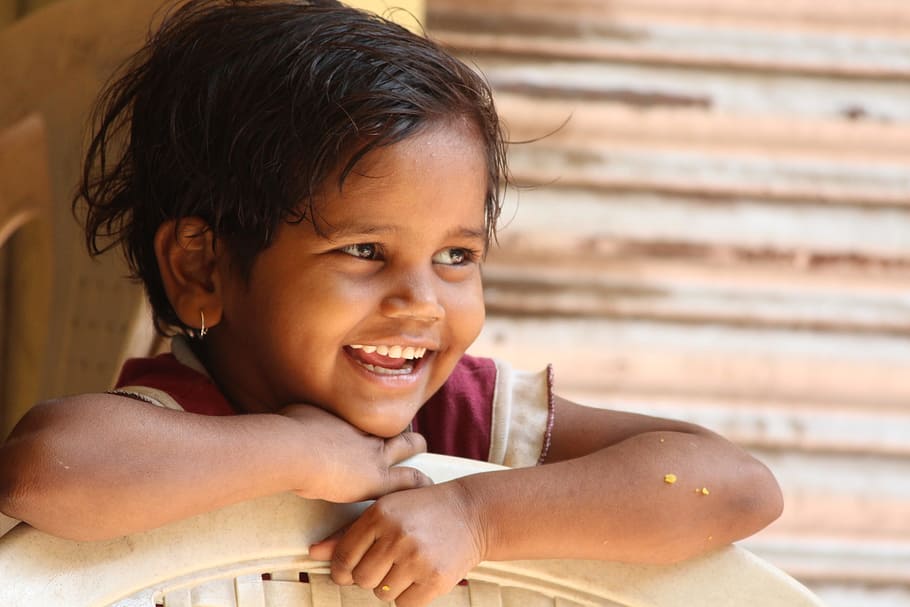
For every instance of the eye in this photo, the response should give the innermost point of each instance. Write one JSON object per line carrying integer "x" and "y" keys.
{"x": 454, "y": 257}
{"x": 362, "y": 250}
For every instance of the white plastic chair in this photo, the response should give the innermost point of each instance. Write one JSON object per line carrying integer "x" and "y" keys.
{"x": 218, "y": 560}
{"x": 25, "y": 289}
{"x": 79, "y": 317}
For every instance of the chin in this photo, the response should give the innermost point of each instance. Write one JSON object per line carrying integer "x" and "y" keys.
{"x": 385, "y": 431}
{"x": 389, "y": 420}
{"x": 385, "y": 427}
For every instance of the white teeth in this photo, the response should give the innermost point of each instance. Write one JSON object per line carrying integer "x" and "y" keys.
{"x": 406, "y": 369}
{"x": 407, "y": 352}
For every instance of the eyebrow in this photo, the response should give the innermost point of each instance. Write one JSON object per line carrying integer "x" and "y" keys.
{"x": 347, "y": 230}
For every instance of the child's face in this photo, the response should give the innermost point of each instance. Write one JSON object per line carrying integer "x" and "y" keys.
{"x": 397, "y": 267}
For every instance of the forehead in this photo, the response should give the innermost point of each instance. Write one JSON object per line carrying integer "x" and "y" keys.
{"x": 441, "y": 169}
{"x": 454, "y": 139}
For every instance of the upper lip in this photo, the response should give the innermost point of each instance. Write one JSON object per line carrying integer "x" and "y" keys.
{"x": 403, "y": 342}
{"x": 394, "y": 351}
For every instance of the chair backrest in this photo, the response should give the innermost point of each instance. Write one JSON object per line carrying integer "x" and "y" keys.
{"x": 25, "y": 210}
{"x": 218, "y": 560}
{"x": 52, "y": 64}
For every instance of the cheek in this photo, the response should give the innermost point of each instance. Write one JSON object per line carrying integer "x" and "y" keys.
{"x": 318, "y": 299}
{"x": 470, "y": 313}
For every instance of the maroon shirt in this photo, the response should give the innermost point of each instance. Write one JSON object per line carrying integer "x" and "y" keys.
{"x": 457, "y": 420}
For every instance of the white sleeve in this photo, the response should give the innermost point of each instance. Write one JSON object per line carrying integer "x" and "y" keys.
{"x": 153, "y": 396}
{"x": 180, "y": 348}
{"x": 522, "y": 416}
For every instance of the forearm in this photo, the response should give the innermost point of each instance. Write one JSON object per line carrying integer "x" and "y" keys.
{"x": 112, "y": 466}
{"x": 616, "y": 504}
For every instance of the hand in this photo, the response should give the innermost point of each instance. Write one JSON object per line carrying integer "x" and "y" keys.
{"x": 410, "y": 546}
{"x": 345, "y": 464}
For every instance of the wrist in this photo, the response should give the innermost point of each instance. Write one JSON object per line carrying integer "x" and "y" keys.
{"x": 290, "y": 454}
{"x": 469, "y": 498}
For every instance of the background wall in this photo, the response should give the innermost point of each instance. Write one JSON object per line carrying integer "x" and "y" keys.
{"x": 717, "y": 227}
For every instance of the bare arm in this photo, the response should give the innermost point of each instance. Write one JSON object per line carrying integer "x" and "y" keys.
{"x": 96, "y": 466}
{"x": 604, "y": 495}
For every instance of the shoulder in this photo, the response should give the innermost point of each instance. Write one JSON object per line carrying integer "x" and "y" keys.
{"x": 164, "y": 368}
{"x": 174, "y": 381}
{"x": 473, "y": 376}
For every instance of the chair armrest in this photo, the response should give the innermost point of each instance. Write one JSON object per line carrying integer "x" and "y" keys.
{"x": 6, "y": 523}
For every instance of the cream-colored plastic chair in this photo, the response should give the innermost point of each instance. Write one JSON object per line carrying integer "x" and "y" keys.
{"x": 52, "y": 64}
{"x": 218, "y": 560}
{"x": 25, "y": 211}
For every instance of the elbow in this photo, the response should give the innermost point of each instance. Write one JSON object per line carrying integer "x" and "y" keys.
{"x": 17, "y": 484}
{"x": 761, "y": 501}
{"x": 9, "y": 497}
{"x": 29, "y": 490}
{"x": 753, "y": 496}
{"x": 27, "y": 461}
{"x": 25, "y": 495}
{"x": 23, "y": 459}
{"x": 34, "y": 485}
{"x": 773, "y": 505}
{"x": 748, "y": 510}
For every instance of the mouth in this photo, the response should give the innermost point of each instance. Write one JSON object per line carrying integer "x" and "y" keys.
{"x": 387, "y": 361}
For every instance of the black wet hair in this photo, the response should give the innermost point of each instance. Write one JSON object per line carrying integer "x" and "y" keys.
{"x": 239, "y": 111}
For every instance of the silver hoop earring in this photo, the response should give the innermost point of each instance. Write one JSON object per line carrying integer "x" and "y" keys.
{"x": 202, "y": 330}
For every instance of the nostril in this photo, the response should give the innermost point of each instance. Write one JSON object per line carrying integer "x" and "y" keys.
{"x": 425, "y": 310}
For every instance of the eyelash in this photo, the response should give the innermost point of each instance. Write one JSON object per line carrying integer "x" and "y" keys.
{"x": 374, "y": 253}
{"x": 467, "y": 255}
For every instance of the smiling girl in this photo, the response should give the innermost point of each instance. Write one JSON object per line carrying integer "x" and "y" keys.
{"x": 307, "y": 193}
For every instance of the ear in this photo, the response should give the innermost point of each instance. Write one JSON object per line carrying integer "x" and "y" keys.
{"x": 187, "y": 261}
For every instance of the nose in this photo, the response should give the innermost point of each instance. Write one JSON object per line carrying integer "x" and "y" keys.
{"x": 414, "y": 297}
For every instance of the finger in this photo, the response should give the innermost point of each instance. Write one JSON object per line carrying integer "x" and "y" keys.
{"x": 347, "y": 553}
{"x": 403, "y": 446}
{"x": 373, "y": 567}
{"x": 396, "y": 581}
{"x": 400, "y": 478}
{"x": 325, "y": 548}
{"x": 417, "y": 595}
{"x": 397, "y": 449}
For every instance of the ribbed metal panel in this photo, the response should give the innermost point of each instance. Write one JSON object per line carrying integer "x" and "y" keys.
{"x": 716, "y": 226}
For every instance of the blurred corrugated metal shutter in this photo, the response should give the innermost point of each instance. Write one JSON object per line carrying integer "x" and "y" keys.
{"x": 720, "y": 231}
